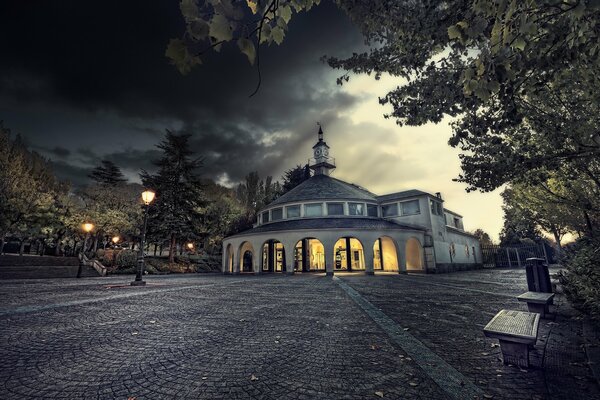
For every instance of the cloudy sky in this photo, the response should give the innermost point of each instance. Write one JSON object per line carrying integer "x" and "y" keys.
{"x": 83, "y": 81}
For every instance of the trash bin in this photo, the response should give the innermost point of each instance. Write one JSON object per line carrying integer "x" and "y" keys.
{"x": 538, "y": 277}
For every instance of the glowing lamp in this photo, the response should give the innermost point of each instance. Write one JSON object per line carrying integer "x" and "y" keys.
{"x": 148, "y": 196}
{"x": 88, "y": 226}
{"x": 116, "y": 239}
{"x": 190, "y": 246}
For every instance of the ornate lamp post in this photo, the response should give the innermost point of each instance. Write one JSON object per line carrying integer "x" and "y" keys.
{"x": 87, "y": 228}
{"x": 115, "y": 241}
{"x": 147, "y": 197}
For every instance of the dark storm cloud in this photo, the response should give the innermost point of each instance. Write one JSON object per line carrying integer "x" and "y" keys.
{"x": 86, "y": 60}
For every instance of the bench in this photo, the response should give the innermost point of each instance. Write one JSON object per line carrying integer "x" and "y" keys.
{"x": 516, "y": 331}
{"x": 537, "y": 302}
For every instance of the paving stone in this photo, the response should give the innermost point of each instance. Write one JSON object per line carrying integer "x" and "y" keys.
{"x": 302, "y": 336}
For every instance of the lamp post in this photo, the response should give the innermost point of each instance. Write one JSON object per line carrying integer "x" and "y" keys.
{"x": 115, "y": 240}
{"x": 87, "y": 228}
{"x": 190, "y": 247}
{"x": 147, "y": 197}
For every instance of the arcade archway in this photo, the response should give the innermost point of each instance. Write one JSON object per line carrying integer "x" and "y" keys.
{"x": 348, "y": 255}
{"x": 414, "y": 255}
{"x": 309, "y": 255}
{"x": 273, "y": 256}
{"x": 385, "y": 255}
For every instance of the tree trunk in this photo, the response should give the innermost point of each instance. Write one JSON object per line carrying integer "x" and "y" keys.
{"x": 172, "y": 248}
{"x": 588, "y": 222}
{"x": 155, "y": 247}
{"x": 95, "y": 246}
{"x": 2, "y": 241}
{"x": 21, "y": 246}
{"x": 557, "y": 239}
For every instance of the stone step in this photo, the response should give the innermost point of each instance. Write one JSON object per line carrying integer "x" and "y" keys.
{"x": 45, "y": 272}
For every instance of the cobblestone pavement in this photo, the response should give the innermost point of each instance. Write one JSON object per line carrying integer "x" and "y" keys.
{"x": 273, "y": 337}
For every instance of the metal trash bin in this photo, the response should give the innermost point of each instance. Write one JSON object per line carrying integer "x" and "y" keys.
{"x": 538, "y": 277}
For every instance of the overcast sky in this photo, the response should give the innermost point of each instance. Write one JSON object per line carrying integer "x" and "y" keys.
{"x": 85, "y": 81}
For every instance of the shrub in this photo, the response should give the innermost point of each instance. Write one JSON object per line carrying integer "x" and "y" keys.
{"x": 126, "y": 259}
{"x": 581, "y": 276}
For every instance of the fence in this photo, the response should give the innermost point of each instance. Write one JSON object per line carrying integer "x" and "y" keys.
{"x": 515, "y": 256}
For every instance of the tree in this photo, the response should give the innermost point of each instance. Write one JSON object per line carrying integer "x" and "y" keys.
{"x": 28, "y": 190}
{"x": 295, "y": 176}
{"x": 519, "y": 78}
{"x": 107, "y": 174}
{"x": 175, "y": 212}
{"x": 519, "y": 223}
{"x": 483, "y": 236}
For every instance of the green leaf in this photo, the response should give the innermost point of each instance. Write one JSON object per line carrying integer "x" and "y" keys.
{"x": 285, "y": 12}
{"x": 247, "y": 47}
{"x": 189, "y": 10}
{"x": 277, "y": 34}
{"x": 179, "y": 55}
{"x": 454, "y": 32}
{"x": 265, "y": 35}
{"x": 220, "y": 29}
{"x": 519, "y": 43}
{"x": 198, "y": 29}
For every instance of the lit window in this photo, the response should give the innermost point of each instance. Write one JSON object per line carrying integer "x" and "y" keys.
{"x": 313, "y": 210}
{"x": 356, "y": 209}
{"x": 292, "y": 211}
{"x": 410, "y": 207}
{"x": 371, "y": 210}
{"x": 389, "y": 210}
{"x": 335, "y": 208}
{"x": 265, "y": 217}
{"x": 276, "y": 214}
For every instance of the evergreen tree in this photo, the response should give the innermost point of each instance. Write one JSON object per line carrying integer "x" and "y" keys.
{"x": 108, "y": 174}
{"x": 295, "y": 176}
{"x": 175, "y": 212}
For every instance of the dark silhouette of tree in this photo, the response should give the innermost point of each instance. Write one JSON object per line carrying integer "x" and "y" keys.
{"x": 175, "y": 212}
{"x": 483, "y": 236}
{"x": 108, "y": 174}
{"x": 295, "y": 176}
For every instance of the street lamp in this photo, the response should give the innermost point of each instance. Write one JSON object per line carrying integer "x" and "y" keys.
{"x": 115, "y": 240}
{"x": 190, "y": 246}
{"x": 147, "y": 197}
{"x": 87, "y": 228}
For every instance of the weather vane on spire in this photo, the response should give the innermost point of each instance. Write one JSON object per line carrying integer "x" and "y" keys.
{"x": 320, "y": 134}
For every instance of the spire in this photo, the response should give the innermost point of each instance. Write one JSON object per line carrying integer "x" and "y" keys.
{"x": 322, "y": 164}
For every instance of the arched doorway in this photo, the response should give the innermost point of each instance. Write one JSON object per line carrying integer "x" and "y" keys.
{"x": 273, "y": 256}
{"x": 348, "y": 255}
{"x": 414, "y": 255}
{"x": 246, "y": 257}
{"x": 229, "y": 259}
{"x": 385, "y": 256}
{"x": 309, "y": 255}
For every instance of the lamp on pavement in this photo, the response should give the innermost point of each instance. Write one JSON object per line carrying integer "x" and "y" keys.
{"x": 87, "y": 228}
{"x": 147, "y": 198}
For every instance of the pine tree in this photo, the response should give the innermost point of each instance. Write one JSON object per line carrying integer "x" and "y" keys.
{"x": 295, "y": 176}
{"x": 107, "y": 174}
{"x": 175, "y": 212}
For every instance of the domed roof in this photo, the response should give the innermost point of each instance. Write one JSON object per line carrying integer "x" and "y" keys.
{"x": 323, "y": 187}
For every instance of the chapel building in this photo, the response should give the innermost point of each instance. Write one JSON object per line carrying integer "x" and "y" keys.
{"x": 328, "y": 225}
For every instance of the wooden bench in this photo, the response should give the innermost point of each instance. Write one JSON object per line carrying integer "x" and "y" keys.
{"x": 516, "y": 331}
{"x": 537, "y": 302}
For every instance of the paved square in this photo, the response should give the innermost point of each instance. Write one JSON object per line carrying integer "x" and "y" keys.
{"x": 280, "y": 337}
